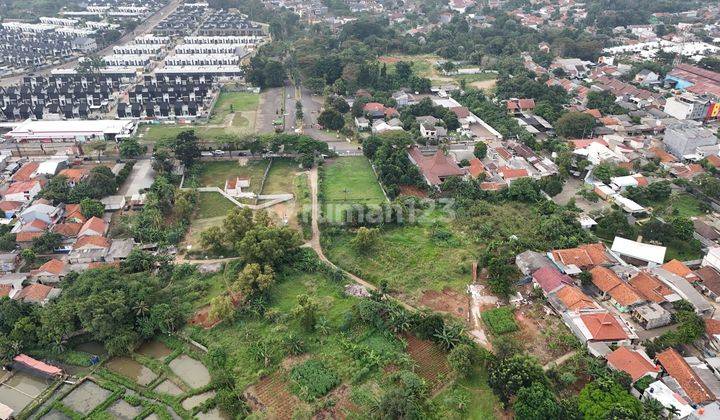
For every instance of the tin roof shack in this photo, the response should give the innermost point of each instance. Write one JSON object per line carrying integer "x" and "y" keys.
{"x": 684, "y": 289}
{"x": 529, "y": 262}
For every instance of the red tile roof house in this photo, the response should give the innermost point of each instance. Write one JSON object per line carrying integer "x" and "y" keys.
{"x": 550, "y": 279}
{"x": 37, "y": 293}
{"x": 23, "y": 191}
{"x": 583, "y": 257}
{"x": 690, "y": 383}
{"x": 10, "y": 208}
{"x": 89, "y": 249}
{"x": 621, "y": 295}
{"x": 635, "y": 363}
{"x": 436, "y": 168}
{"x": 599, "y": 327}
{"x": 51, "y": 272}
{"x": 374, "y": 110}
{"x": 517, "y": 106}
{"x": 95, "y": 226}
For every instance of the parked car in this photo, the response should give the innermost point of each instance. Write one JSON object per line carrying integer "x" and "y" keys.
{"x": 218, "y": 153}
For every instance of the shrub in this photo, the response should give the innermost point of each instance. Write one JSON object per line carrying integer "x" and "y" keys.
{"x": 312, "y": 379}
{"x": 500, "y": 320}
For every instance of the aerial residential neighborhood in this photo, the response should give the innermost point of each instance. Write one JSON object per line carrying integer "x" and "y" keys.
{"x": 359, "y": 209}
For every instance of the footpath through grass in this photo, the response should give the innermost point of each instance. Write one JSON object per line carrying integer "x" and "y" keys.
{"x": 233, "y": 102}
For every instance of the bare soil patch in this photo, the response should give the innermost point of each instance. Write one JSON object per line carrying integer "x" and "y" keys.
{"x": 543, "y": 336}
{"x": 412, "y": 191}
{"x": 448, "y": 301}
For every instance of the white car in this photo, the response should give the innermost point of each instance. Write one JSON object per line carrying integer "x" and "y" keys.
{"x": 218, "y": 153}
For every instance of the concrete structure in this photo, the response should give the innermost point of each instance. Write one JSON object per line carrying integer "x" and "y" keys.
{"x": 71, "y": 130}
{"x": 687, "y": 107}
{"x": 684, "y": 138}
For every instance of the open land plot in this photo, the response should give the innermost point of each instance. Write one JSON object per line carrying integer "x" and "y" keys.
{"x": 214, "y": 174}
{"x": 281, "y": 176}
{"x": 410, "y": 258}
{"x": 239, "y": 103}
{"x": 348, "y": 181}
{"x": 481, "y": 403}
{"x": 424, "y": 66}
{"x": 431, "y": 362}
{"x": 269, "y": 388}
{"x": 212, "y": 205}
{"x": 686, "y": 205}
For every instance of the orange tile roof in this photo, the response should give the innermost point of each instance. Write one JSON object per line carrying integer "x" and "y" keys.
{"x": 584, "y": 256}
{"x": 492, "y": 186}
{"x": 604, "y": 278}
{"x": 36, "y": 224}
{"x": 712, "y": 326}
{"x": 34, "y": 293}
{"x": 26, "y": 171}
{"x": 678, "y": 268}
{"x": 714, "y": 160}
{"x": 10, "y": 205}
{"x": 21, "y": 187}
{"x": 603, "y": 327}
{"x": 574, "y": 299}
{"x": 27, "y": 236}
{"x": 631, "y": 362}
{"x": 94, "y": 224}
{"x": 94, "y": 241}
{"x": 5, "y": 290}
{"x": 650, "y": 288}
{"x": 512, "y": 173}
{"x": 664, "y": 156}
{"x": 608, "y": 282}
{"x": 74, "y": 174}
{"x": 53, "y": 266}
{"x": 476, "y": 168}
{"x": 594, "y": 112}
{"x": 678, "y": 368}
{"x": 69, "y": 230}
{"x": 72, "y": 211}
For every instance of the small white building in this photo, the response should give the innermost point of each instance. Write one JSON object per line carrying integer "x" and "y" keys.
{"x": 236, "y": 187}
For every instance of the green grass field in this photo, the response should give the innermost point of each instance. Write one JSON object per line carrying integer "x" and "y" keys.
{"x": 410, "y": 258}
{"x": 214, "y": 174}
{"x": 347, "y": 181}
{"x": 240, "y": 102}
{"x": 213, "y": 204}
{"x": 685, "y": 204}
{"x": 281, "y": 177}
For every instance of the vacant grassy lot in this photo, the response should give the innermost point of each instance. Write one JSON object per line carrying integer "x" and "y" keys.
{"x": 214, "y": 174}
{"x": 348, "y": 181}
{"x": 212, "y": 204}
{"x": 412, "y": 258}
{"x": 281, "y": 177}
{"x": 681, "y": 204}
{"x": 241, "y": 103}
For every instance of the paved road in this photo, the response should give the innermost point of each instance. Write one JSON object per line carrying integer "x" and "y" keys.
{"x": 141, "y": 177}
{"x": 146, "y": 26}
{"x": 270, "y": 105}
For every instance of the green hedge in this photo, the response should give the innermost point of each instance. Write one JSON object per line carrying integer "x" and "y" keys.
{"x": 500, "y": 320}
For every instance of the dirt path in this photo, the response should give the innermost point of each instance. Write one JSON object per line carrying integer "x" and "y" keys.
{"x": 559, "y": 361}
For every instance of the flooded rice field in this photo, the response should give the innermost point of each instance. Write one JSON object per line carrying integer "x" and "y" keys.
{"x": 131, "y": 369}
{"x": 190, "y": 370}
{"x": 86, "y": 397}
{"x": 155, "y": 349}
{"x": 21, "y": 389}
{"x": 54, "y": 415}
{"x": 92, "y": 347}
{"x": 168, "y": 387}
{"x": 124, "y": 411}
{"x": 194, "y": 401}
